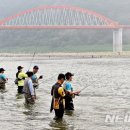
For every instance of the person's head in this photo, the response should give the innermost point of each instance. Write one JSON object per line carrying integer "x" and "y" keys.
{"x": 2, "y": 70}
{"x": 20, "y": 68}
{"x": 69, "y": 76}
{"x": 61, "y": 78}
{"x": 35, "y": 69}
{"x": 29, "y": 74}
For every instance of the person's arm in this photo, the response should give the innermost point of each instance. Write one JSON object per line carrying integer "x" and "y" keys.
{"x": 17, "y": 75}
{"x": 22, "y": 76}
{"x": 75, "y": 92}
{"x": 61, "y": 91}
{"x": 4, "y": 77}
{"x": 30, "y": 84}
{"x": 52, "y": 89}
{"x": 69, "y": 89}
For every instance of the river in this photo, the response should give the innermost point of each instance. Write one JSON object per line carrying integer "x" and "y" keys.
{"x": 106, "y": 91}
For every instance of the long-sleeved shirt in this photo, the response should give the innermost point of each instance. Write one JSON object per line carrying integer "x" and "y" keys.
{"x": 31, "y": 88}
{"x": 28, "y": 87}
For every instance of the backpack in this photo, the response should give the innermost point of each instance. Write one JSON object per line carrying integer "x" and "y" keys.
{"x": 16, "y": 81}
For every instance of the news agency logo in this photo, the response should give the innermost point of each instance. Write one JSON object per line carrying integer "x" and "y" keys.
{"x": 117, "y": 119}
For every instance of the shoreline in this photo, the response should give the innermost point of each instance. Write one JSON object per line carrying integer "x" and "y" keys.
{"x": 71, "y": 55}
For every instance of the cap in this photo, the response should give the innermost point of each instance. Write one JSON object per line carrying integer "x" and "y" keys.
{"x": 20, "y": 67}
{"x": 68, "y": 75}
{"x": 2, "y": 69}
{"x": 35, "y": 67}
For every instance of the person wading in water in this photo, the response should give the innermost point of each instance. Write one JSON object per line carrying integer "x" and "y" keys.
{"x": 58, "y": 95}
{"x": 20, "y": 77}
{"x": 70, "y": 94}
{"x": 28, "y": 89}
{"x": 35, "y": 79}
{"x": 3, "y": 79}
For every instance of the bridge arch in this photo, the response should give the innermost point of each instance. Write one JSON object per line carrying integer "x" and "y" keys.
{"x": 63, "y": 17}
{"x": 58, "y": 17}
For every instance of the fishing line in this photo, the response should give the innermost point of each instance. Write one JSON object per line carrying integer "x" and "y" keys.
{"x": 32, "y": 59}
{"x": 56, "y": 74}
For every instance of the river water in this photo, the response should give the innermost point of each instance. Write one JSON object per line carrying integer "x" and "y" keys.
{"x": 106, "y": 91}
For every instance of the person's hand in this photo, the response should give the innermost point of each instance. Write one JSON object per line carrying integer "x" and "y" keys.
{"x": 77, "y": 92}
{"x": 41, "y": 77}
{"x": 6, "y": 80}
{"x": 33, "y": 98}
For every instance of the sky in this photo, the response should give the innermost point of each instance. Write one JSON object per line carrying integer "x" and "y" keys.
{"x": 118, "y": 10}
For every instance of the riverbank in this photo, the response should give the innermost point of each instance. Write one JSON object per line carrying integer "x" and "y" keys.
{"x": 71, "y": 55}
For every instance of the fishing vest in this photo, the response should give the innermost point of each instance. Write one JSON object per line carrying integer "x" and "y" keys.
{"x": 57, "y": 98}
{"x": 2, "y": 81}
{"x": 21, "y": 78}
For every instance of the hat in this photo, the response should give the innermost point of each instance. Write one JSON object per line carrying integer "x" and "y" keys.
{"x": 2, "y": 69}
{"x": 20, "y": 67}
{"x": 68, "y": 75}
{"x": 35, "y": 67}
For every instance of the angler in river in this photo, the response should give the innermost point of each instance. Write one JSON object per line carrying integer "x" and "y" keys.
{"x": 3, "y": 79}
{"x": 28, "y": 89}
{"x": 70, "y": 94}
{"x": 58, "y": 95}
{"x": 20, "y": 77}
{"x": 35, "y": 79}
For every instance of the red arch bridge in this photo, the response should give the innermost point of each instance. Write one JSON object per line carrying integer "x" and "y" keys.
{"x": 64, "y": 17}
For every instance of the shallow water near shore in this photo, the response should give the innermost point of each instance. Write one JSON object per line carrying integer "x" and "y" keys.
{"x": 106, "y": 90}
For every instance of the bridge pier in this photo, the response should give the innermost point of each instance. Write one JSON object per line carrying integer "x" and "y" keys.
{"x": 117, "y": 40}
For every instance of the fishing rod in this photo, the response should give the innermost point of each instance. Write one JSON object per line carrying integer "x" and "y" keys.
{"x": 48, "y": 79}
{"x": 52, "y": 77}
{"x": 71, "y": 66}
{"x": 34, "y": 54}
{"x": 32, "y": 60}
{"x": 85, "y": 87}
{"x": 56, "y": 74}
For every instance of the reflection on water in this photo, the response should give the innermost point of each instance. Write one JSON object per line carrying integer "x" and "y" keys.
{"x": 59, "y": 124}
{"x": 69, "y": 112}
{"x": 105, "y": 90}
{"x": 19, "y": 96}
